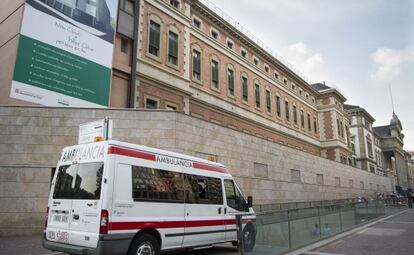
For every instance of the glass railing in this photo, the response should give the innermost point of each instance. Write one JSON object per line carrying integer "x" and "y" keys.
{"x": 281, "y": 230}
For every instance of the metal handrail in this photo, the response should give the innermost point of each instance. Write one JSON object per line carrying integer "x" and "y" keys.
{"x": 368, "y": 211}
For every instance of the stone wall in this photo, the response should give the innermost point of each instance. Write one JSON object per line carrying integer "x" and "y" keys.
{"x": 31, "y": 139}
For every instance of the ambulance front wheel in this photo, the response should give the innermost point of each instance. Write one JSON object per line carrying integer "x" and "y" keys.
{"x": 145, "y": 244}
{"x": 249, "y": 238}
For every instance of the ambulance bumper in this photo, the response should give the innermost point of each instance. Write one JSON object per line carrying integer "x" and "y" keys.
{"x": 108, "y": 245}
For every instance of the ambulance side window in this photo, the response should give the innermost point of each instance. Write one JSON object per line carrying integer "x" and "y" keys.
{"x": 203, "y": 190}
{"x": 150, "y": 184}
{"x": 234, "y": 199}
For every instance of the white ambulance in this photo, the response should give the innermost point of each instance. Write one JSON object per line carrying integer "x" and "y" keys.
{"x": 112, "y": 197}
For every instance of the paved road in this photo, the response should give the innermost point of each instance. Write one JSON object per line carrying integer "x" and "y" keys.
{"x": 31, "y": 245}
{"x": 390, "y": 236}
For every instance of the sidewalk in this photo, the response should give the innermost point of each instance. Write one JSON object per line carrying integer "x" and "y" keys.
{"x": 393, "y": 235}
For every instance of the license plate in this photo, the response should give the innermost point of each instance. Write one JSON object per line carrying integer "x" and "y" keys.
{"x": 62, "y": 236}
{"x": 59, "y": 236}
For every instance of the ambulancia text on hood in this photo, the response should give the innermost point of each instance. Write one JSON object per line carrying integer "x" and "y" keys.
{"x": 90, "y": 152}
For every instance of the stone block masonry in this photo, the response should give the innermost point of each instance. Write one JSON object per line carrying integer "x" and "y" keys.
{"x": 31, "y": 139}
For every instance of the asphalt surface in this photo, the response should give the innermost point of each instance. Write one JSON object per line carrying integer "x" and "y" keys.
{"x": 391, "y": 236}
{"x": 31, "y": 245}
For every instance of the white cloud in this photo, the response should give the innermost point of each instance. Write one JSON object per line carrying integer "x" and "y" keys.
{"x": 310, "y": 63}
{"x": 389, "y": 62}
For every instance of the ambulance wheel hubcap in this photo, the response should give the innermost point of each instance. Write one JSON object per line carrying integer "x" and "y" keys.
{"x": 145, "y": 249}
{"x": 248, "y": 238}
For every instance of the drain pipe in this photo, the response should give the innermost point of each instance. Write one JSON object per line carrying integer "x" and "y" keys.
{"x": 133, "y": 86}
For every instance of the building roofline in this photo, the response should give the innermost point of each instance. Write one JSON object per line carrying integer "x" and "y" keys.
{"x": 360, "y": 109}
{"x": 250, "y": 42}
{"x": 333, "y": 91}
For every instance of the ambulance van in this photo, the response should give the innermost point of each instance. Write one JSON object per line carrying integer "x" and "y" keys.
{"x": 111, "y": 197}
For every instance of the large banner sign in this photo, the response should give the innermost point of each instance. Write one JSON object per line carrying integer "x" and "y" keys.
{"x": 65, "y": 53}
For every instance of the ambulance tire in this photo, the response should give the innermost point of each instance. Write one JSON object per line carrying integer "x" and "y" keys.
{"x": 249, "y": 236}
{"x": 144, "y": 244}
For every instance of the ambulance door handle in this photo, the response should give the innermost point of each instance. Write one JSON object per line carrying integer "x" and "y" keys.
{"x": 219, "y": 210}
{"x": 225, "y": 210}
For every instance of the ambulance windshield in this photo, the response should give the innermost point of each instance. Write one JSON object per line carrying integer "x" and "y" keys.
{"x": 79, "y": 181}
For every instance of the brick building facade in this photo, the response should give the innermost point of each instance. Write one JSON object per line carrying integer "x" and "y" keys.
{"x": 191, "y": 60}
{"x": 185, "y": 79}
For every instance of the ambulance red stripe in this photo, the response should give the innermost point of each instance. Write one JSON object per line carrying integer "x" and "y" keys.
{"x": 168, "y": 224}
{"x": 131, "y": 153}
{"x": 209, "y": 167}
{"x": 152, "y": 157}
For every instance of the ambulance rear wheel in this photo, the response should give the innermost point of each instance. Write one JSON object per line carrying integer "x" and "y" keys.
{"x": 145, "y": 244}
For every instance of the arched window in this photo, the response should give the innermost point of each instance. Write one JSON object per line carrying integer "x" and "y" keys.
{"x": 230, "y": 80}
{"x": 173, "y": 45}
{"x": 197, "y": 63}
{"x": 245, "y": 87}
{"x": 257, "y": 93}
{"x": 215, "y": 72}
{"x": 155, "y": 28}
{"x": 287, "y": 110}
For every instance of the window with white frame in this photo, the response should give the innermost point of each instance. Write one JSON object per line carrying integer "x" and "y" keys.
{"x": 151, "y": 102}
{"x": 245, "y": 89}
{"x": 243, "y": 53}
{"x": 268, "y": 101}
{"x": 154, "y": 38}
{"x": 257, "y": 95}
{"x": 172, "y": 48}
{"x": 295, "y": 115}
{"x": 287, "y": 110}
{"x": 302, "y": 118}
{"x": 214, "y": 34}
{"x": 175, "y": 3}
{"x": 197, "y": 23}
{"x": 215, "y": 73}
{"x": 230, "y": 44}
{"x": 196, "y": 64}
{"x": 230, "y": 81}
{"x": 278, "y": 106}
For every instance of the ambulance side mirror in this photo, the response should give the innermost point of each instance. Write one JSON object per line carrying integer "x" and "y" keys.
{"x": 250, "y": 201}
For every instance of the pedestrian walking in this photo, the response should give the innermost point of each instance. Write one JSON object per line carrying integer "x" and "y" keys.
{"x": 326, "y": 230}
{"x": 316, "y": 231}
{"x": 410, "y": 197}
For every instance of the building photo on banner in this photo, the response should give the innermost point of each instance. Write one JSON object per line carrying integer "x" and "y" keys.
{"x": 65, "y": 53}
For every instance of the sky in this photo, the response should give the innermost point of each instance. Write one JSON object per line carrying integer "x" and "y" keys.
{"x": 362, "y": 48}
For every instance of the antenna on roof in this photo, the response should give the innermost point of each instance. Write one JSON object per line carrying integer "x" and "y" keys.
{"x": 392, "y": 100}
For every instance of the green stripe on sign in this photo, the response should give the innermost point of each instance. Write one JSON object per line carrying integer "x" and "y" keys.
{"x": 48, "y": 67}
